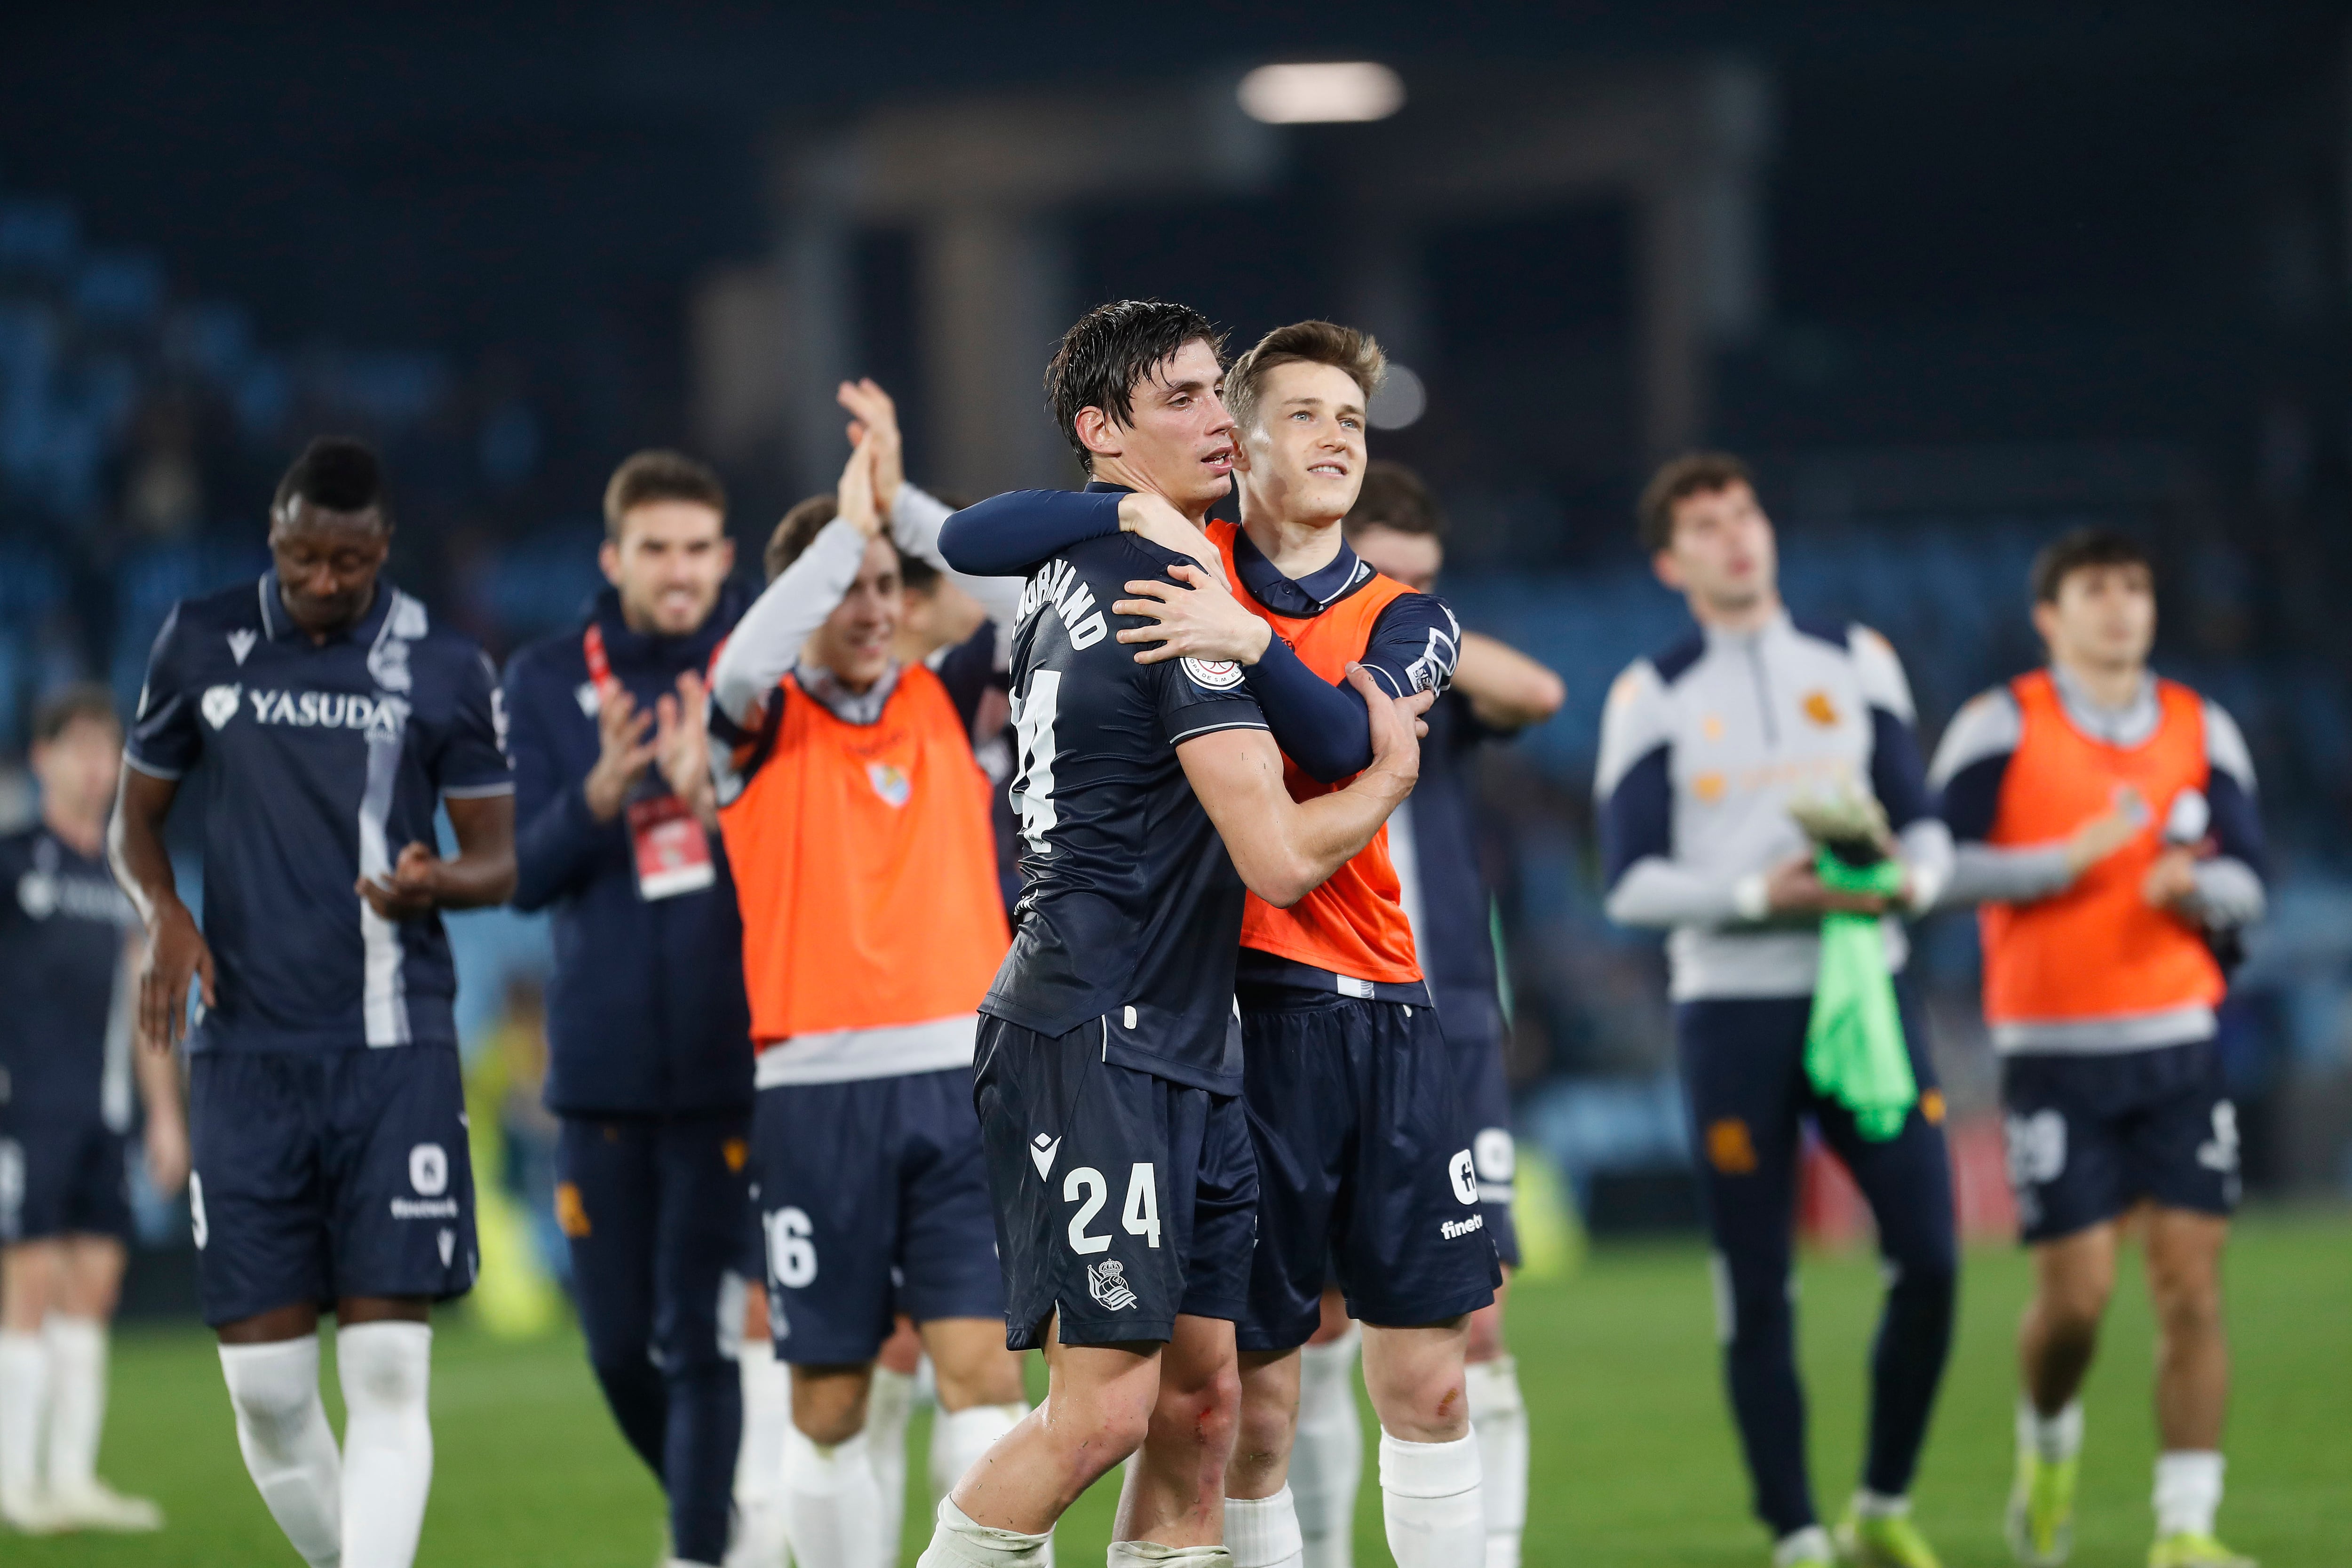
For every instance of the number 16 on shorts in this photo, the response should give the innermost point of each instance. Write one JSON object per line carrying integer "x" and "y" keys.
{"x": 1139, "y": 1215}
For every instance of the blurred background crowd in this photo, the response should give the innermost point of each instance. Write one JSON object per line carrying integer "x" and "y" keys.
{"x": 1952, "y": 278}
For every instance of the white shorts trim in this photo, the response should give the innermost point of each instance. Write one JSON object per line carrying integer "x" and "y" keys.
{"x": 849, "y": 1056}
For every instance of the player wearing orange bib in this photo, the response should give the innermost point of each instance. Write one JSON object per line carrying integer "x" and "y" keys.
{"x": 1363, "y": 1148}
{"x": 2104, "y": 821}
{"x": 858, "y": 822}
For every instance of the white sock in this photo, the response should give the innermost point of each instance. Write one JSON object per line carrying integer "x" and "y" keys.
{"x": 831, "y": 1502}
{"x": 1498, "y": 1419}
{"x": 1868, "y": 1504}
{"x": 24, "y": 1410}
{"x": 2054, "y": 1438}
{"x": 290, "y": 1452}
{"x": 889, "y": 1402}
{"x": 1430, "y": 1498}
{"x": 1327, "y": 1460}
{"x": 1263, "y": 1532}
{"x": 76, "y": 1399}
{"x": 958, "y": 1542}
{"x": 386, "y": 1371}
{"x": 1811, "y": 1544}
{"x": 1137, "y": 1554}
{"x": 759, "y": 1539}
{"x": 959, "y": 1440}
{"x": 2188, "y": 1491}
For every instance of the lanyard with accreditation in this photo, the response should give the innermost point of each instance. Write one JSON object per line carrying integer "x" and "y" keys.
{"x": 667, "y": 842}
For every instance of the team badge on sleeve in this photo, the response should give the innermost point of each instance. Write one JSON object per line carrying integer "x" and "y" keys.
{"x": 1214, "y": 674}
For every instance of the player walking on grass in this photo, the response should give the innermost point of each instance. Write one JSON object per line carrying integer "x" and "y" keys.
{"x": 66, "y": 1071}
{"x": 858, "y": 823}
{"x": 650, "y": 1050}
{"x": 1363, "y": 1157}
{"x": 2107, "y": 823}
{"x": 1110, "y": 1057}
{"x": 1704, "y": 749}
{"x": 324, "y": 716}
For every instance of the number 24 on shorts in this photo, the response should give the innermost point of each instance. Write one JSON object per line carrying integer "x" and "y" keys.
{"x": 1139, "y": 1215}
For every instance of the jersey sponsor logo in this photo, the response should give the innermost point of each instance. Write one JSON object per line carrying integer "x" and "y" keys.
{"x": 1041, "y": 1151}
{"x": 1455, "y": 1229}
{"x": 312, "y": 709}
{"x": 1106, "y": 1283}
{"x": 428, "y": 1173}
{"x": 41, "y": 894}
{"x": 1463, "y": 1174}
{"x": 1497, "y": 1155}
{"x": 890, "y": 782}
{"x": 1056, "y": 584}
{"x": 219, "y": 704}
{"x": 240, "y": 643}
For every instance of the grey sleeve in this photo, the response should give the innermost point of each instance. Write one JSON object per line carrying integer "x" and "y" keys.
{"x": 2229, "y": 893}
{"x": 1982, "y": 874}
{"x": 916, "y": 518}
{"x": 766, "y": 643}
{"x": 1928, "y": 855}
{"x": 1656, "y": 891}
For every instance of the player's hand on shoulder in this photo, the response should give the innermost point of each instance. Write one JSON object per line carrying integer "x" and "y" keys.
{"x": 1192, "y": 616}
{"x": 1156, "y": 519}
{"x": 408, "y": 892}
{"x": 176, "y": 952}
{"x": 1396, "y": 726}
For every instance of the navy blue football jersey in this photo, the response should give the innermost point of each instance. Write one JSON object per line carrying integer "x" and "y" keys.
{"x": 65, "y": 1012}
{"x": 315, "y": 763}
{"x": 1131, "y": 909}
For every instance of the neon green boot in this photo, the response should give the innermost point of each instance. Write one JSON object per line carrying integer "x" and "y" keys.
{"x": 2041, "y": 1509}
{"x": 1888, "y": 1540}
{"x": 2186, "y": 1549}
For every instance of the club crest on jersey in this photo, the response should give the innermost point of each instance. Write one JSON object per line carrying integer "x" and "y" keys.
{"x": 1107, "y": 1283}
{"x": 220, "y": 704}
{"x": 890, "y": 782}
{"x": 1215, "y": 674}
{"x": 240, "y": 643}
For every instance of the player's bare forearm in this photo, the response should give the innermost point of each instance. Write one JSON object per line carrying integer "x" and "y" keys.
{"x": 1507, "y": 689}
{"x": 134, "y": 842}
{"x": 483, "y": 873}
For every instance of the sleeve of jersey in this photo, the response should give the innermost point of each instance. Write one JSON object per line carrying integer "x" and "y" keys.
{"x": 2229, "y": 882}
{"x": 1965, "y": 782}
{"x": 1193, "y": 705}
{"x": 556, "y": 837}
{"x": 1898, "y": 774}
{"x": 473, "y": 761}
{"x": 788, "y": 612}
{"x": 1323, "y": 725}
{"x": 167, "y": 733}
{"x": 1005, "y": 535}
{"x": 1633, "y": 792}
{"x": 916, "y": 518}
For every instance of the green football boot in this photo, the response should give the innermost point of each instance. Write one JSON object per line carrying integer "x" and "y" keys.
{"x": 2186, "y": 1549}
{"x": 1891, "y": 1541}
{"x": 2041, "y": 1509}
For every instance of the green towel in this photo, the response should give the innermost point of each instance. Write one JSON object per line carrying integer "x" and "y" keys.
{"x": 1853, "y": 1044}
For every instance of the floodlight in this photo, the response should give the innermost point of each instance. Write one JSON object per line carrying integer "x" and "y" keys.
{"x": 1304, "y": 94}
{"x": 1401, "y": 400}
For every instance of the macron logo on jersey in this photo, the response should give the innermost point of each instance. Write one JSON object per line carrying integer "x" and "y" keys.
{"x": 1042, "y": 1151}
{"x": 1056, "y": 584}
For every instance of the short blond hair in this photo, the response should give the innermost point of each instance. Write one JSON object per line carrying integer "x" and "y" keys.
{"x": 1303, "y": 343}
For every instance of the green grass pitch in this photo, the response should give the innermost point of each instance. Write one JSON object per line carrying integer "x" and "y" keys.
{"x": 1634, "y": 1455}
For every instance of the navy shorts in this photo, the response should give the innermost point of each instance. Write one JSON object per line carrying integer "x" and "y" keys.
{"x": 874, "y": 1197}
{"x": 1122, "y": 1199}
{"x": 325, "y": 1174}
{"x": 1364, "y": 1159}
{"x": 2089, "y": 1136}
{"x": 62, "y": 1176}
{"x": 1474, "y": 1036}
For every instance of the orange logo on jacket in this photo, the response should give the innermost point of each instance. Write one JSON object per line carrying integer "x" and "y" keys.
{"x": 1818, "y": 707}
{"x": 1729, "y": 1149}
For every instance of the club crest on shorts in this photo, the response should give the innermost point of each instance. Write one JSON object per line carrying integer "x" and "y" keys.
{"x": 890, "y": 782}
{"x": 1215, "y": 674}
{"x": 1107, "y": 1281}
